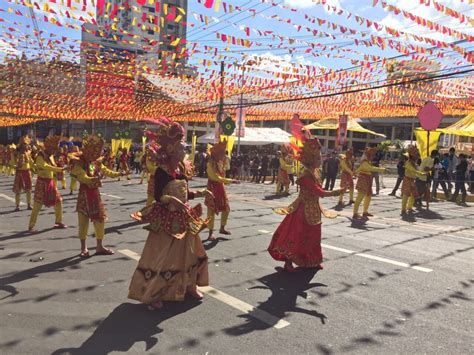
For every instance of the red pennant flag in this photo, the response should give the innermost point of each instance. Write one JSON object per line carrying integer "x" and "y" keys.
{"x": 209, "y": 3}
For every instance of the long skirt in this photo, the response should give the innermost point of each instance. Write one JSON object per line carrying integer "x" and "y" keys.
{"x": 167, "y": 267}
{"x": 297, "y": 241}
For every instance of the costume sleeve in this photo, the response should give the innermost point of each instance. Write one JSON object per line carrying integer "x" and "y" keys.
{"x": 42, "y": 165}
{"x": 345, "y": 168}
{"x": 284, "y": 165}
{"x": 308, "y": 184}
{"x": 368, "y": 168}
{"x": 213, "y": 176}
{"x": 161, "y": 180}
{"x": 410, "y": 170}
{"x": 109, "y": 173}
{"x": 80, "y": 174}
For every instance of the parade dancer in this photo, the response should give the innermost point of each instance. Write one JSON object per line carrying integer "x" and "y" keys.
{"x": 283, "y": 177}
{"x": 298, "y": 238}
{"x": 216, "y": 180}
{"x": 150, "y": 160}
{"x": 174, "y": 261}
{"x": 346, "y": 163}
{"x": 22, "y": 182}
{"x": 2, "y": 158}
{"x": 87, "y": 169}
{"x": 73, "y": 184}
{"x": 11, "y": 162}
{"x": 46, "y": 192}
{"x": 61, "y": 162}
{"x": 364, "y": 182}
{"x": 123, "y": 163}
{"x": 409, "y": 191}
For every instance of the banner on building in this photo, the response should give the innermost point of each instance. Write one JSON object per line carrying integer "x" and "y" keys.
{"x": 240, "y": 118}
{"x": 341, "y": 136}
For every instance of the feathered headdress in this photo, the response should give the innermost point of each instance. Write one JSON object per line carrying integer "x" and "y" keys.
{"x": 311, "y": 149}
{"x": 92, "y": 148}
{"x": 369, "y": 153}
{"x": 51, "y": 143}
{"x": 169, "y": 132}
{"x": 412, "y": 151}
{"x": 217, "y": 151}
{"x": 26, "y": 140}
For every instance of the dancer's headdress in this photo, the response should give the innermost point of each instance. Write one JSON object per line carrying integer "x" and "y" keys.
{"x": 92, "y": 148}
{"x": 218, "y": 150}
{"x": 26, "y": 140}
{"x": 51, "y": 143}
{"x": 311, "y": 146}
{"x": 167, "y": 136}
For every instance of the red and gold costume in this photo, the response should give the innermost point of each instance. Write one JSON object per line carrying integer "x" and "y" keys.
{"x": 298, "y": 238}
{"x": 46, "y": 192}
{"x": 286, "y": 166}
{"x": 409, "y": 191}
{"x": 365, "y": 180}
{"x": 346, "y": 162}
{"x": 88, "y": 170}
{"x": 2, "y": 158}
{"x": 173, "y": 261}
{"x": 73, "y": 185}
{"x": 123, "y": 163}
{"x": 218, "y": 203}
{"x": 22, "y": 182}
{"x": 61, "y": 162}
{"x": 10, "y": 159}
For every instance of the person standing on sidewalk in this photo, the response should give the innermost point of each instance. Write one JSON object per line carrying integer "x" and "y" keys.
{"x": 401, "y": 174}
{"x": 461, "y": 170}
{"x": 332, "y": 168}
{"x": 439, "y": 178}
{"x": 423, "y": 181}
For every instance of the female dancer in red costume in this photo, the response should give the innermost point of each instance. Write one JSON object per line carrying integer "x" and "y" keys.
{"x": 298, "y": 238}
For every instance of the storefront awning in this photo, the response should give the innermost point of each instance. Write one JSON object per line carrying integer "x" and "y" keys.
{"x": 254, "y": 136}
{"x": 464, "y": 127}
{"x": 352, "y": 125}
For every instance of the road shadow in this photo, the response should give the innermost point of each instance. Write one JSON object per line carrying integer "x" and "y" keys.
{"x": 25, "y": 233}
{"x": 117, "y": 229}
{"x": 126, "y": 325}
{"x": 429, "y": 214}
{"x": 56, "y": 266}
{"x": 275, "y": 197}
{"x": 285, "y": 289}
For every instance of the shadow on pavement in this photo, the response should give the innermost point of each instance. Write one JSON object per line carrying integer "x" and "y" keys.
{"x": 285, "y": 288}
{"x": 126, "y": 325}
{"x": 24, "y": 233}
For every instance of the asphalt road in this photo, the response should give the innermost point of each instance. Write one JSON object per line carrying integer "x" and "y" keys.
{"x": 389, "y": 285}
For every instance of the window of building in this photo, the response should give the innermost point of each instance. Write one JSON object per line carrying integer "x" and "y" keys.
{"x": 151, "y": 32}
{"x": 359, "y": 135}
{"x": 332, "y": 132}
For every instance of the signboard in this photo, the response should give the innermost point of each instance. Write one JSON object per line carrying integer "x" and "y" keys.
{"x": 240, "y": 114}
{"x": 341, "y": 136}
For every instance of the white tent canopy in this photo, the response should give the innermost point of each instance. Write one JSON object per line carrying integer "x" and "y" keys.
{"x": 254, "y": 136}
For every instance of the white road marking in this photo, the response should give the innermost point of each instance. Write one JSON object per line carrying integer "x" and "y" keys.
{"x": 11, "y": 199}
{"x": 229, "y": 300}
{"x": 263, "y": 231}
{"x": 245, "y": 307}
{"x": 113, "y": 196}
{"x": 377, "y": 258}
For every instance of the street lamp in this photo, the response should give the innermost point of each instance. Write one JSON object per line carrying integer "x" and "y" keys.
{"x": 241, "y": 105}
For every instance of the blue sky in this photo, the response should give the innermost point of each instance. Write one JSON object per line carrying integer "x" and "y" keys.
{"x": 270, "y": 59}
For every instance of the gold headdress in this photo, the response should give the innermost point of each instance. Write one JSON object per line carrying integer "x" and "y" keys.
{"x": 168, "y": 134}
{"x": 51, "y": 143}
{"x": 26, "y": 140}
{"x": 310, "y": 152}
{"x": 369, "y": 153}
{"x": 92, "y": 148}
{"x": 218, "y": 150}
{"x": 412, "y": 152}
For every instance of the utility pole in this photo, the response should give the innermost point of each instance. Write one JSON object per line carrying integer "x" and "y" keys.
{"x": 220, "y": 111}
